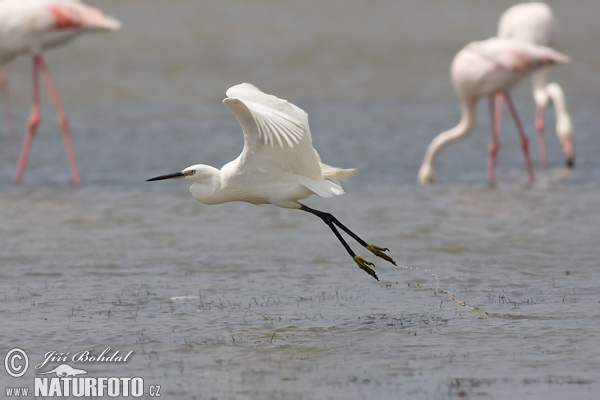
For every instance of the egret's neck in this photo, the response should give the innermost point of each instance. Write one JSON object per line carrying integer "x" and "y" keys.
{"x": 467, "y": 121}
{"x": 207, "y": 185}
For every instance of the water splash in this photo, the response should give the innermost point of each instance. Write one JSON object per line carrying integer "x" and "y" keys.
{"x": 450, "y": 294}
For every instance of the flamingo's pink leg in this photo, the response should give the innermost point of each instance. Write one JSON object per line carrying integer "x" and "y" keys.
{"x": 5, "y": 98}
{"x": 32, "y": 122}
{"x": 62, "y": 121}
{"x": 539, "y": 125}
{"x": 493, "y": 146}
{"x": 524, "y": 141}
{"x": 495, "y": 103}
{"x": 498, "y": 111}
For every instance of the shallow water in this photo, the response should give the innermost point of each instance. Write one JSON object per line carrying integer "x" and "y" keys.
{"x": 239, "y": 301}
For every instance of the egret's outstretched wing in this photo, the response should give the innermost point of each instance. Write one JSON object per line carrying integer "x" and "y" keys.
{"x": 277, "y": 138}
{"x": 276, "y": 132}
{"x": 268, "y": 123}
{"x": 273, "y": 119}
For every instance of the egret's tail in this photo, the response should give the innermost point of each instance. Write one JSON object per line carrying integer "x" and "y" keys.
{"x": 336, "y": 174}
{"x": 322, "y": 187}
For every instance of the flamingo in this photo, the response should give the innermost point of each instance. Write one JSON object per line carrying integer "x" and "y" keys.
{"x": 31, "y": 26}
{"x": 486, "y": 68}
{"x": 534, "y": 22}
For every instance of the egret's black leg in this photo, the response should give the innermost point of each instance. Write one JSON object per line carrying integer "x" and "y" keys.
{"x": 361, "y": 262}
{"x": 378, "y": 251}
{"x": 331, "y": 221}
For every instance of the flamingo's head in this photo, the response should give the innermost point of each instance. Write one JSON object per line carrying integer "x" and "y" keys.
{"x": 426, "y": 174}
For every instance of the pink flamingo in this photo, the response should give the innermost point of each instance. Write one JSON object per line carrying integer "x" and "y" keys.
{"x": 486, "y": 68}
{"x": 535, "y": 23}
{"x": 31, "y": 26}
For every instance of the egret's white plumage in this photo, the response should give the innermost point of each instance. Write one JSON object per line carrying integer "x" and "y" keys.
{"x": 32, "y": 26}
{"x": 486, "y": 68}
{"x": 534, "y": 22}
{"x": 277, "y": 151}
{"x": 278, "y": 164}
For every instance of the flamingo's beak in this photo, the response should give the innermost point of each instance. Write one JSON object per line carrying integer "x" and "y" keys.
{"x": 567, "y": 145}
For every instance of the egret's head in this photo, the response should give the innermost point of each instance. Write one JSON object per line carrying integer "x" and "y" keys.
{"x": 196, "y": 173}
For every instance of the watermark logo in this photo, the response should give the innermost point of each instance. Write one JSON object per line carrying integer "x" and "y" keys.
{"x": 86, "y": 356}
{"x": 64, "y": 380}
{"x": 64, "y": 371}
{"x": 16, "y": 363}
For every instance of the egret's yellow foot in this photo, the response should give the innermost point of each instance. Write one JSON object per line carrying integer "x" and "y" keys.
{"x": 365, "y": 266}
{"x": 379, "y": 252}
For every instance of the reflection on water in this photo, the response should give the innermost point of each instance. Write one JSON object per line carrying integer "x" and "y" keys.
{"x": 239, "y": 301}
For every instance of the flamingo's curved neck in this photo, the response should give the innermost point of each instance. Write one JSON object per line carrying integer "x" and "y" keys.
{"x": 460, "y": 131}
{"x": 564, "y": 126}
{"x": 540, "y": 94}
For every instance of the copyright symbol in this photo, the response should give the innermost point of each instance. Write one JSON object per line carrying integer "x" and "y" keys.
{"x": 16, "y": 363}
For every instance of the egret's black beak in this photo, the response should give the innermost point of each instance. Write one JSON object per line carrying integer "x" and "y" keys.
{"x": 168, "y": 176}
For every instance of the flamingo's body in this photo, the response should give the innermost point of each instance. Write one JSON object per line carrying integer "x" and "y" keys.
{"x": 534, "y": 22}
{"x": 486, "y": 68}
{"x": 31, "y": 26}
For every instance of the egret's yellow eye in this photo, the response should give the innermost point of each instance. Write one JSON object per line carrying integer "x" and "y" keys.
{"x": 190, "y": 172}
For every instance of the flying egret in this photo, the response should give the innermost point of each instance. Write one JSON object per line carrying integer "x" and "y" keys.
{"x": 31, "y": 26}
{"x": 278, "y": 165}
{"x": 534, "y": 22}
{"x": 486, "y": 68}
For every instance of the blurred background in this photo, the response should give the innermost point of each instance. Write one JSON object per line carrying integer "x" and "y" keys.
{"x": 170, "y": 65}
{"x": 185, "y": 50}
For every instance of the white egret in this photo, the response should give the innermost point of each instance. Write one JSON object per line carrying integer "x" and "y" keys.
{"x": 278, "y": 165}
